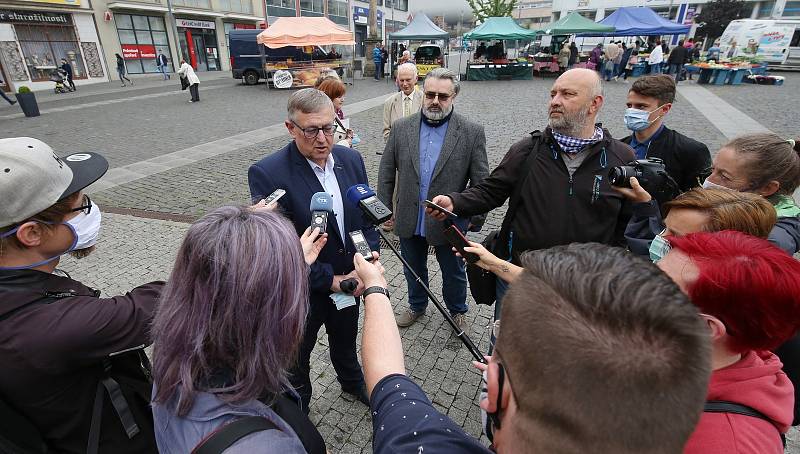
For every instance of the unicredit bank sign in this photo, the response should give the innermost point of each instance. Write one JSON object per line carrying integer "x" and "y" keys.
{"x": 191, "y": 23}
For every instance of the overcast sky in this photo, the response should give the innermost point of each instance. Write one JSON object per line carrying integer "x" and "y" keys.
{"x": 449, "y": 8}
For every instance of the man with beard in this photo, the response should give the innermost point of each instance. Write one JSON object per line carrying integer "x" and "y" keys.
{"x": 432, "y": 152}
{"x": 557, "y": 180}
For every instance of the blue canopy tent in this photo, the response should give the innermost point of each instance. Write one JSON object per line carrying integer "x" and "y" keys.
{"x": 639, "y": 21}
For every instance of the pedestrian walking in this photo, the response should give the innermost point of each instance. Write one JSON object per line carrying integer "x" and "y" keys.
{"x": 573, "y": 54}
{"x": 563, "y": 57}
{"x": 384, "y": 59}
{"x": 656, "y": 58}
{"x": 448, "y": 156}
{"x": 121, "y": 70}
{"x": 377, "y": 58}
{"x": 67, "y": 68}
{"x": 187, "y": 72}
{"x": 10, "y": 101}
{"x": 618, "y": 59}
{"x": 162, "y": 62}
{"x": 594, "y": 57}
{"x": 677, "y": 58}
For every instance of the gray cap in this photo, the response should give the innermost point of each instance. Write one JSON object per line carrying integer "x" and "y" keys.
{"x": 33, "y": 177}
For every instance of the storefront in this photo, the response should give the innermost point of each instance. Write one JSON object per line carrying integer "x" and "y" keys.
{"x": 34, "y": 42}
{"x": 198, "y": 42}
{"x": 142, "y": 38}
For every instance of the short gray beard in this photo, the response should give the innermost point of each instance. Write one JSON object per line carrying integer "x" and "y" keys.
{"x": 570, "y": 124}
{"x": 436, "y": 116}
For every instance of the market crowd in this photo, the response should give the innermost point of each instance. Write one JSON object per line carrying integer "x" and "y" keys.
{"x": 654, "y": 315}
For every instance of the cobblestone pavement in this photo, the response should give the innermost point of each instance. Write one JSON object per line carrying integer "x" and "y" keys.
{"x": 133, "y": 250}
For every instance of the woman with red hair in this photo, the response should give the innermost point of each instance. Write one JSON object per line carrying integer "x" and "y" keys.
{"x": 748, "y": 293}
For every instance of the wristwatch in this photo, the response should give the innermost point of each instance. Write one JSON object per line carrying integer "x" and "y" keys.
{"x": 375, "y": 289}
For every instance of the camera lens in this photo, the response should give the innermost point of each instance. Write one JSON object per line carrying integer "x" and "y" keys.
{"x": 620, "y": 176}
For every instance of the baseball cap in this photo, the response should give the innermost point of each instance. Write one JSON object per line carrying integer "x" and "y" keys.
{"x": 33, "y": 177}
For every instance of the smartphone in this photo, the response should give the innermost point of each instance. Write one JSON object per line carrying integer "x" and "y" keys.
{"x": 362, "y": 247}
{"x": 457, "y": 239}
{"x": 434, "y": 206}
{"x": 275, "y": 196}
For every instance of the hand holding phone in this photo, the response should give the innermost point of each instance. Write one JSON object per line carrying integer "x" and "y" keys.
{"x": 456, "y": 238}
{"x": 439, "y": 208}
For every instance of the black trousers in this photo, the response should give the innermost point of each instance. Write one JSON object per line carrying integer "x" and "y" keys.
{"x": 194, "y": 89}
{"x": 342, "y": 328}
{"x": 70, "y": 82}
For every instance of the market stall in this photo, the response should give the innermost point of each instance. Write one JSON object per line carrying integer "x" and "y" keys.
{"x": 303, "y": 32}
{"x": 421, "y": 28}
{"x": 571, "y": 24}
{"x": 733, "y": 72}
{"x": 494, "y": 64}
{"x": 639, "y": 21}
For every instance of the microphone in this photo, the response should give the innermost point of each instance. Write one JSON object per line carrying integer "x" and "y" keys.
{"x": 363, "y": 197}
{"x": 321, "y": 206}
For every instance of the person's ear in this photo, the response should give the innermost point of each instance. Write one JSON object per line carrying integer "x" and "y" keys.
{"x": 666, "y": 108}
{"x": 597, "y": 104}
{"x": 289, "y": 127}
{"x": 715, "y": 326}
{"x": 492, "y": 386}
{"x": 31, "y": 234}
{"x": 769, "y": 188}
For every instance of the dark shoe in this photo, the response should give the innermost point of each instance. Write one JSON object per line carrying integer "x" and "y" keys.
{"x": 360, "y": 394}
{"x": 408, "y": 317}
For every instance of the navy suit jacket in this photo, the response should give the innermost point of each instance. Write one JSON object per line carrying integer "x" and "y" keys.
{"x": 287, "y": 169}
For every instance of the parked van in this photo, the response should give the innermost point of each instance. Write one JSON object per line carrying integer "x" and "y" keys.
{"x": 773, "y": 41}
{"x": 248, "y": 57}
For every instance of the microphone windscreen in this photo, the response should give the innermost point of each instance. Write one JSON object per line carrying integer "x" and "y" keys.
{"x": 359, "y": 192}
{"x": 321, "y": 201}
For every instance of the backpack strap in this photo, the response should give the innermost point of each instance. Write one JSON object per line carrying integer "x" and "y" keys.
{"x": 516, "y": 195}
{"x": 724, "y": 406}
{"x": 225, "y": 436}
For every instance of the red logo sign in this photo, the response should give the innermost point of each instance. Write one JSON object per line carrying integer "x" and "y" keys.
{"x": 136, "y": 52}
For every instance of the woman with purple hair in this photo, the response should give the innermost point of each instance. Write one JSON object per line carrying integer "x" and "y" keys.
{"x": 228, "y": 327}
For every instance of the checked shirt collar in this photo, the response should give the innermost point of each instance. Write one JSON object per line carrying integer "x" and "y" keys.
{"x": 573, "y": 144}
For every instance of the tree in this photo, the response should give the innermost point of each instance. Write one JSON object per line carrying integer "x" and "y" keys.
{"x": 482, "y": 9}
{"x": 716, "y": 15}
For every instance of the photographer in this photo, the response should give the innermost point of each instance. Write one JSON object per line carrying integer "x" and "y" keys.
{"x": 60, "y": 342}
{"x": 228, "y": 328}
{"x": 558, "y": 313}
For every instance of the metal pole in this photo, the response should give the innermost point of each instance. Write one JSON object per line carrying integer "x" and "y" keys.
{"x": 266, "y": 14}
{"x": 174, "y": 27}
{"x": 445, "y": 313}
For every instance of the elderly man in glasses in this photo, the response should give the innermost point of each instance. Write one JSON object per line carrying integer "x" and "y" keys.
{"x": 311, "y": 163}
{"x": 435, "y": 151}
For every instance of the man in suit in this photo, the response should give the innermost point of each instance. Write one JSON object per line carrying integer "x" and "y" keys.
{"x": 307, "y": 165}
{"x": 432, "y": 152}
{"x": 405, "y": 102}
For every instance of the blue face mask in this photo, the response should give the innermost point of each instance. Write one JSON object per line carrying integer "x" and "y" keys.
{"x": 659, "y": 247}
{"x": 34, "y": 265}
{"x": 637, "y": 119}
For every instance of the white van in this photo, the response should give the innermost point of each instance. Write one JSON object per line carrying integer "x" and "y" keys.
{"x": 774, "y": 41}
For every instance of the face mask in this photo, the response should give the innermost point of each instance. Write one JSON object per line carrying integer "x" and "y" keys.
{"x": 637, "y": 120}
{"x": 708, "y": 184}
{"x": 87, "y": 227}
{"x": 34, "y": 265}
{"x": 659, "y": 247}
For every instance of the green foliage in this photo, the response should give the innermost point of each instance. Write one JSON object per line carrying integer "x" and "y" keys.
{"x": 482, "y": 9}
{"x": 24, "y": 89}
{"x": 717, "y": 14}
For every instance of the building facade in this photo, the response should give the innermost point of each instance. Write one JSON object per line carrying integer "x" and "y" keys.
{"x": 36, "y": 35}
{"x": 533, "y": 14}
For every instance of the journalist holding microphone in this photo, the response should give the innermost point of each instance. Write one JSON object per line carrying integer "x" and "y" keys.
{"x": 317, "y": 174}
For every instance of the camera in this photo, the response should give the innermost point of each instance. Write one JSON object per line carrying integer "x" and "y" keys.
{"x": 652, "y": 176}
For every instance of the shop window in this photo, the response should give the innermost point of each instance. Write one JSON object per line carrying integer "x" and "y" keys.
{"x": 765, "y": 9}
{"x": 314, "y": 6}
{"x": 792, "y": 9}
{"x": 43, "y": 47}
{"x": 242, "y": 6}
{"x": 588, "y": 14}
{"x": 141, "y": 38}
{"x": 194, "y": 3}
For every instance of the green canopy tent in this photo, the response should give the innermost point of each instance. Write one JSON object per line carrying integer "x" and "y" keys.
{"x": 504, "y": 29}
{"x": 574, "y": 23}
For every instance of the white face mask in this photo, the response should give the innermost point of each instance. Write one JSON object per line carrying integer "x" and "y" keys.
{"x": 708, "y": 184}
{"x": 87, "y": 227}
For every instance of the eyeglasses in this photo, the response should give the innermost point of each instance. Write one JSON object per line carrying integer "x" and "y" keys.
{"x": 86, "y": 208}
{"x": 433, "y": 95}
{"x": 313, "y": 132}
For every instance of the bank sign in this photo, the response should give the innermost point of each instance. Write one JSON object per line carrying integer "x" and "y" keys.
{"x": 33, "y": 17}
{"x": 191, "y": 23}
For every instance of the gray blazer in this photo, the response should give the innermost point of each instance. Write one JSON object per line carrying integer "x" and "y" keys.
{"x": 462, "y": 160}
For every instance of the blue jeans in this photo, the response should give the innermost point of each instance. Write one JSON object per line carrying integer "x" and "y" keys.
{"x": 655, "y": 69}
{"x": 500, "y": 291}
{"x": 163, "y": 70}
{"x": 676, "y": 70}
{"x": 454, "y": 277}
{"x": 378, "y": 69}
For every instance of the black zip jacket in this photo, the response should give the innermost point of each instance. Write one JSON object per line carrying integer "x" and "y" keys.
{"x": 555, "y": 208}
{"x": 55, "y": 336}
{"x": 688, "y": 161}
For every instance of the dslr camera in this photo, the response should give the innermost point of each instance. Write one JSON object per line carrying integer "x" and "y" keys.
{"x": 652, "y": 176}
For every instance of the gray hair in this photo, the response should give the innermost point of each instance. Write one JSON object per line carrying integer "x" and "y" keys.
{"x": 444, "y": 73}
{"x": 308, "y": 100}
{"x": 407, "y": 67}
